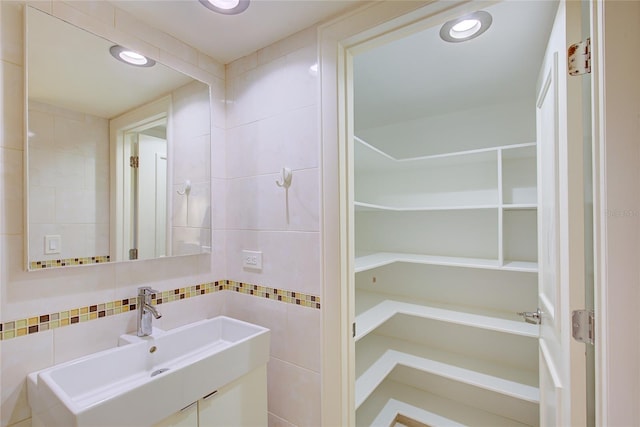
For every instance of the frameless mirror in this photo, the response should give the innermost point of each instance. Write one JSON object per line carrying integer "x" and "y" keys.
{"x": 118, "y": 156}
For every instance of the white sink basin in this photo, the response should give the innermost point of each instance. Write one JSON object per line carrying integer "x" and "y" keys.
{"x": 142, "y": 383}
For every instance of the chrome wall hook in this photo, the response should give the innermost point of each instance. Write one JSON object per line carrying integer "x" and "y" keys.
{"x": 285, "y": 181}
{"x": 186, "y": 190}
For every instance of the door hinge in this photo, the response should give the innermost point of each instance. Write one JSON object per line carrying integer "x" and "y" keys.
{"x": 579, "y": 58}
{"x": 134, "y": 161}
{"x": 353, "y": 329}
{"x": 133, "y": 253}
{"x": 583, "y": 326}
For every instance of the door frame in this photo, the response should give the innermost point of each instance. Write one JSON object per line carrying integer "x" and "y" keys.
{"x": 385, "y": 20}
{"x": 137, "y": 119}
{"x": 616, "y": 213}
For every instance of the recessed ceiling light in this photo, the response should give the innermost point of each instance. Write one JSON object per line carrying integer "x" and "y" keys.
{"x": 466, "y": 27}
{"x": 226, "y": 7}
{"x": 130, "y": 57}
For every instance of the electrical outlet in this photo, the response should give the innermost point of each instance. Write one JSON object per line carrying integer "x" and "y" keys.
{"x": 252, "y": 259}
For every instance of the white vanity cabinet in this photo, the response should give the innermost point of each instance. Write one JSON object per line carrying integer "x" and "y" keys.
{"x": 187, "y": 417}
{"x": 241, "y": 403}
{"x": 446, "y": 255}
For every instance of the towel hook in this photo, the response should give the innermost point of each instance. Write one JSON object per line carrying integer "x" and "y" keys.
{"x": 187, "y": 188}
{"x": 286, "y": 178}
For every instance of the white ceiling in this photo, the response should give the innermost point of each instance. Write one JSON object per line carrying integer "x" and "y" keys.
{"x": 229, "y": 37}
{"x": 422, "y": 75}
{"x": 414, "y": 76}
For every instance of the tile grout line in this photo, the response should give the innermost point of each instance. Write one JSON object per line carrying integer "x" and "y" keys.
{"x": 45, "y": 322}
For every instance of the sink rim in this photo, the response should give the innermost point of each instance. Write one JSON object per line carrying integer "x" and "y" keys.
{"x": 73, "y": 402}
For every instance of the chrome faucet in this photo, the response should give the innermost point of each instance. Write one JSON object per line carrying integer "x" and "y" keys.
{"x": 145, "y": 310}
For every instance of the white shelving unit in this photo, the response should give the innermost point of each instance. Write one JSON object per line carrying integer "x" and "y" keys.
{"x": 391, "y": 353}
{"x": 393, "y": 398}
{"x": 446, "y": 254}
{"x": 388, "y": 306}
{"x": 379, "y": 259}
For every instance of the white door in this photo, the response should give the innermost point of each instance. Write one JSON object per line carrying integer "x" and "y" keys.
{"x": 561, "y": 226}
{"x": 152, "y": 189}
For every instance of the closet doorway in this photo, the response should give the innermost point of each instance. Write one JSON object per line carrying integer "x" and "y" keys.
{"x": 457, "y": 158}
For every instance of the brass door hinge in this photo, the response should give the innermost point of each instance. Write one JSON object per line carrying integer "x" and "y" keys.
{"x": 579, "y": 58}
{"x": 134, "y": 162}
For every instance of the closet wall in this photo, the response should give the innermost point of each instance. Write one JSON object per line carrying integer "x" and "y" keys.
{"x": 446, "y": 255}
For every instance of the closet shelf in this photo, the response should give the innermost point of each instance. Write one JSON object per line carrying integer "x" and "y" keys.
{"x": 389, "y": 353}
{"x": 383, "y": 155}
{"x": 369, "y": 207}
{"x": 520, "y": 206}
{"x": 383, "y": 307}
{"x": 380, "y": 259}
{"x": 392, "y": 399}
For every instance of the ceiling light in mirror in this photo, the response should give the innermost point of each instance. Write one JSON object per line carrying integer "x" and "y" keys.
{"x": 466, "y": 28}
{"x": 226, "y": 7}
{"x": 130, "y": 57}
{"x": 225, "y": 4}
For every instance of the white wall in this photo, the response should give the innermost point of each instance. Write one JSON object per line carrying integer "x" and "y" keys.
{"x": 191, "y": 154}
{"x": 272, "y": 123}
{"x": 486, "y": 126}
{"x": 25, "y": 294}
{"x": 68, "y": 184}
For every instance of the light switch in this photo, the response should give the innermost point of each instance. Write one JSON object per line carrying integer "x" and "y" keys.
{"x": 52, "y": 244}
{"x": 252, "y": 259}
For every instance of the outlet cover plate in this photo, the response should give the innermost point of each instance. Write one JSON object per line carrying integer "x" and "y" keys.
{"x": 52, "y": 244}
{"x": 252, "y": 259}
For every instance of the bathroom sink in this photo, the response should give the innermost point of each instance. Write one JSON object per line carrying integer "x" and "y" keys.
{"x": 144, "y": 382}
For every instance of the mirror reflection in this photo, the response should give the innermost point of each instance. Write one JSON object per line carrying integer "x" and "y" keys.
{"x": 118, "y": 155}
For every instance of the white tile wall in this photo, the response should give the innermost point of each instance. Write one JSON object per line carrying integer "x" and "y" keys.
{"x": 11, "y": 33}
{"x": 84, "y": 338}
{"x": 11, "y": 98}
{"x": 294, "y": 366}
{"x": 273, "y": 102}
{"x": 191, "y": 131}
{"x": 272, "y": 122}
{"x": 179, "y": 313}
{"x": 19, "y": 357}
{"x": 303, "y": 337}
{"x": 288, "y": 139}
{"x": 294, "y": 393}
{"x": 11, "y": 190}
{"x": 290, "y": 259}
{"x": 24, "y": 294}
{"x": 257, "y": 203}
{"x": 261, "y": 311}
{"x": 275, "y": 421}
{"x": 69, "y": 188}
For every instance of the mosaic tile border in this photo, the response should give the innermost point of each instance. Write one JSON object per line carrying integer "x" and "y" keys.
{"x": 53, "y": 263}
{"x": 45, "y": 322}
{"x": 290, "y": 297}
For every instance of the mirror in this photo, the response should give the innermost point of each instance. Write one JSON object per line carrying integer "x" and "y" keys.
{"x": 118, "y": 156}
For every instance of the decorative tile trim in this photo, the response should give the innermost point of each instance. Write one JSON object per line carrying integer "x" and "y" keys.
{"x": 52, "y": 263}
{"x": 290, "y": 297}
{"x": 44, "y": 322}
